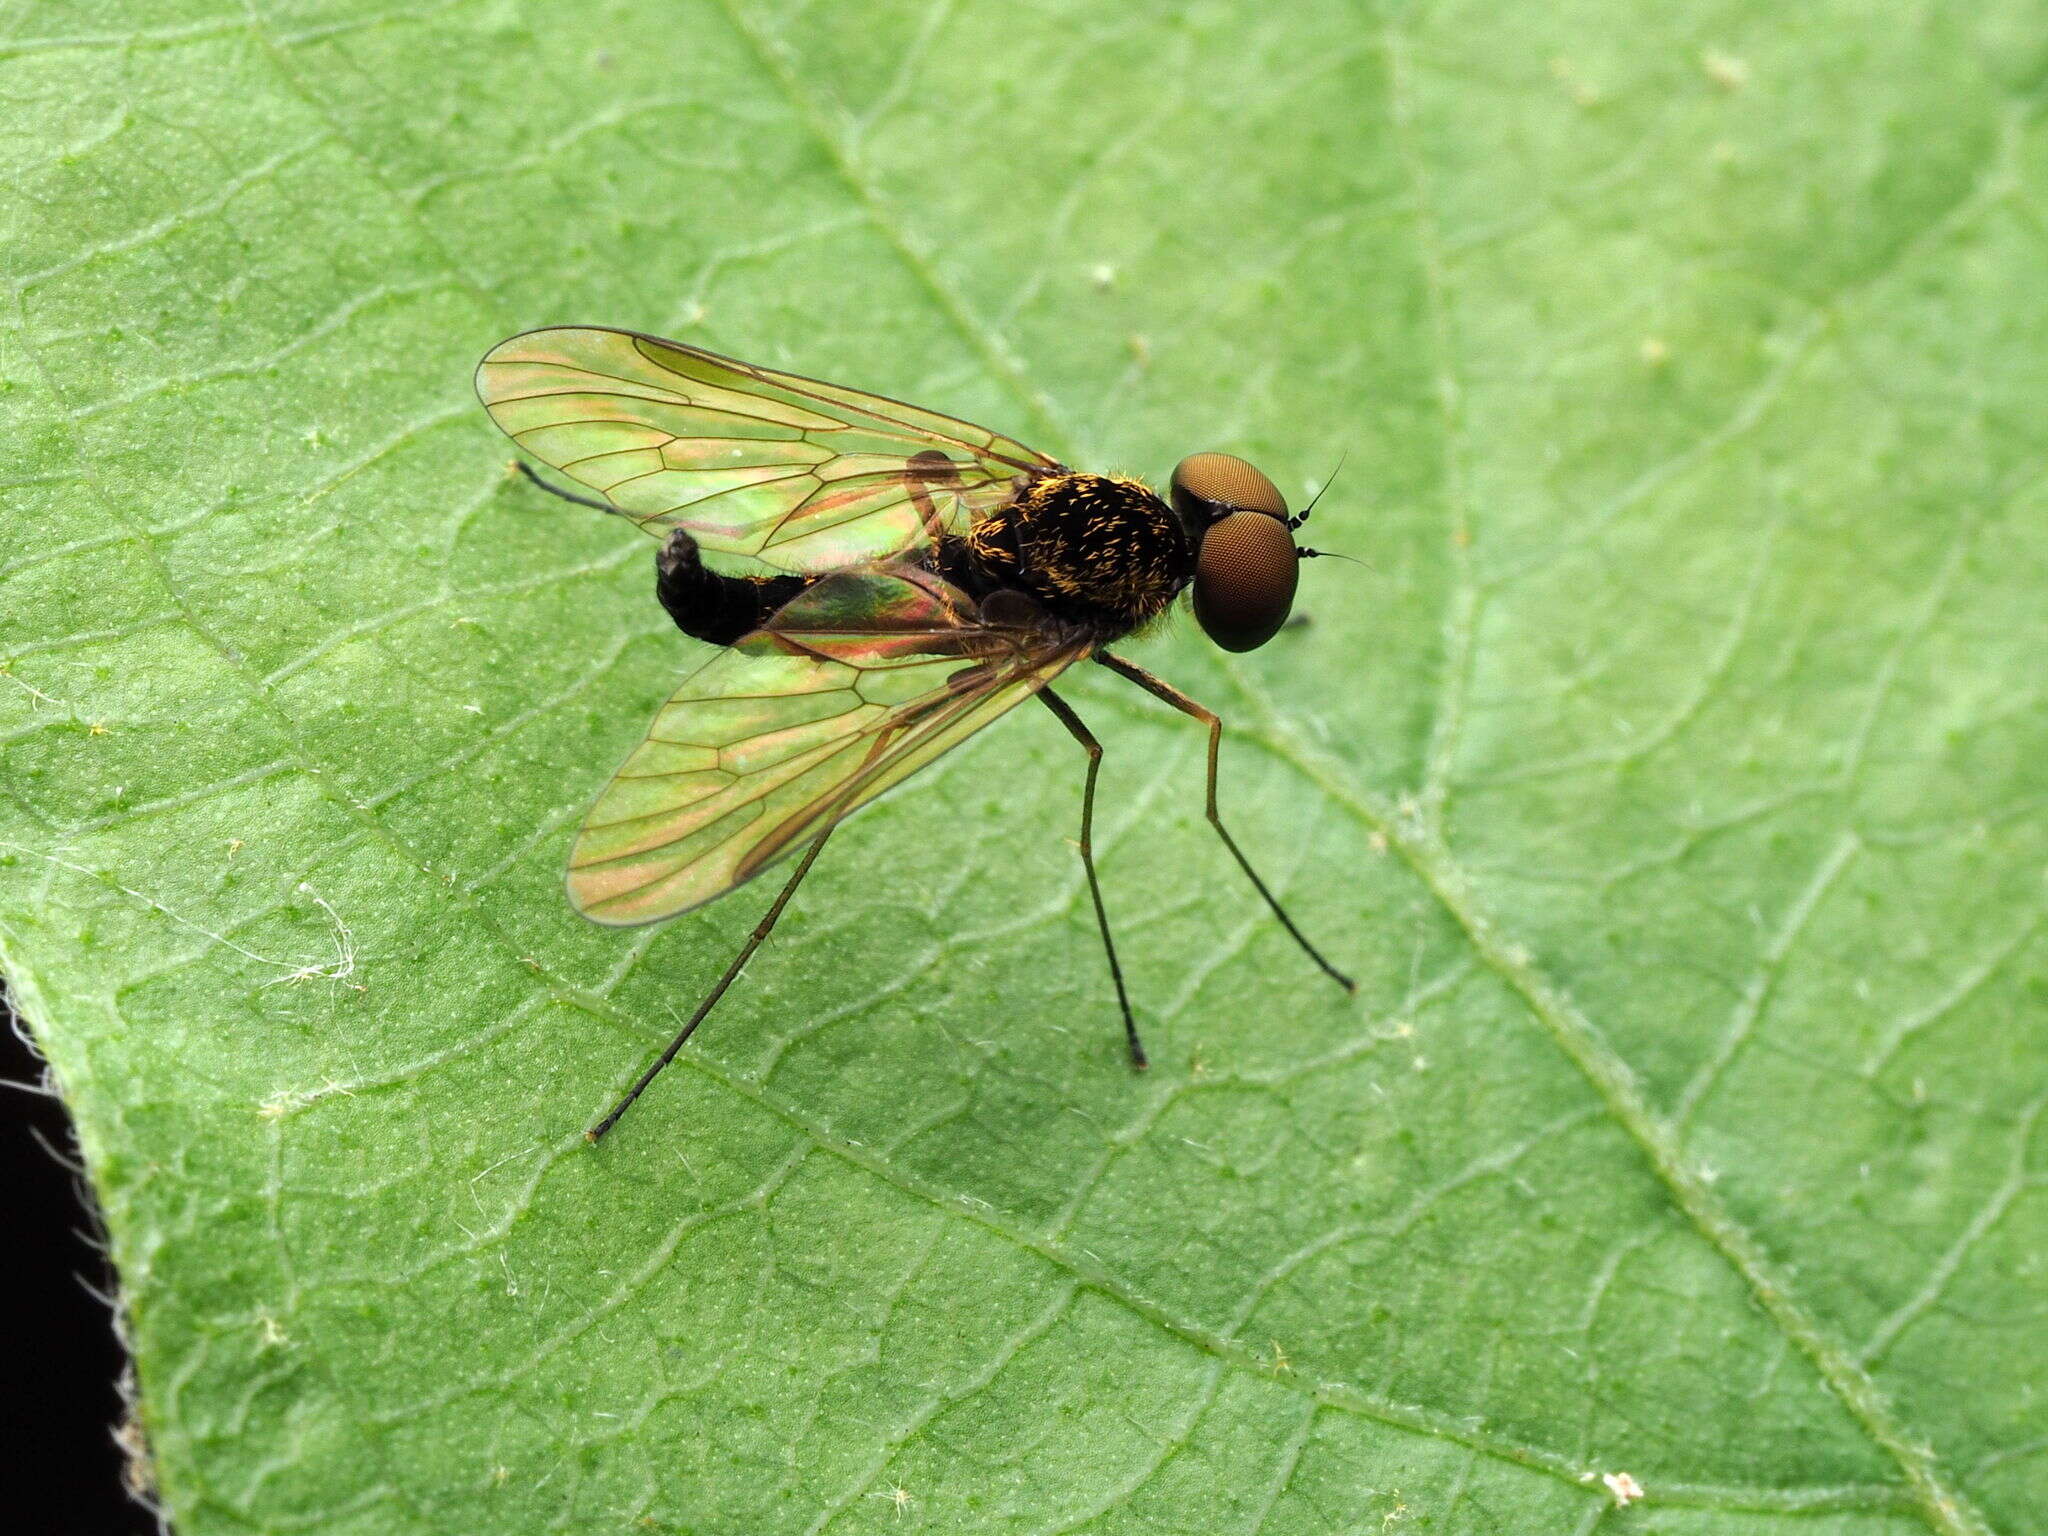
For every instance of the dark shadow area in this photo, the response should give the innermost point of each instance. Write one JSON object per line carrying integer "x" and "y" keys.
{"x": 60, "y": 1402}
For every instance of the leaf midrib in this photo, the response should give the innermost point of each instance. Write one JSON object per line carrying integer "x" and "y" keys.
{"x": 1423, "y": 847}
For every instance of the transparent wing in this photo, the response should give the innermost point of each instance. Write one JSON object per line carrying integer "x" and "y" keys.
{"x": 853, "y": 685}
{"x": 799, "y": 475}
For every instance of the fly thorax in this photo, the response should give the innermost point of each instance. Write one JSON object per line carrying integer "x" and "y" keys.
{"x": 1098, "y": 542}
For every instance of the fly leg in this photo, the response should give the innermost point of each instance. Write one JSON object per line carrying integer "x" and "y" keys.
{"x": 592, "y": 502}
{"x": 1187, "y": 706}
{"x": 922, "y": 471}
{"x": 754, "y": 942}
{"x": 1093, "y": 748}
{"x": 706, "y": 604}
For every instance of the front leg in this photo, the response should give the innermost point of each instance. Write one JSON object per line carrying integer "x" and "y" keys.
{"x": 1169, "y": 694}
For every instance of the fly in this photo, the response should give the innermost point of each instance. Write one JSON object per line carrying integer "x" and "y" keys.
{"x": 883, "y": 581}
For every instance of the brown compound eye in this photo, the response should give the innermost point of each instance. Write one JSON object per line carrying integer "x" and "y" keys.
{"x": 1246, "y": 565}
{"x": 1244, "y": 579}
{"x": 1208, "y": 486}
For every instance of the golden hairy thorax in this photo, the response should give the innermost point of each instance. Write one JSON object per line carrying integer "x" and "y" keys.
{"x": 1093, "y": 547}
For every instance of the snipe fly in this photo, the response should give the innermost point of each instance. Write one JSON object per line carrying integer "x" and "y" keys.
{"x": 882, "y": 582}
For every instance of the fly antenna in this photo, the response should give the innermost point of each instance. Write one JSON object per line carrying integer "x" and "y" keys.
{"x": 1302, "y": 516}
{"x": 527, "y": 470}
{"x": 1326, "y": 554}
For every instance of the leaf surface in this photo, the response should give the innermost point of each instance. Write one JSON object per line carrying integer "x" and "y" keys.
{"x": 1671, "y": 774}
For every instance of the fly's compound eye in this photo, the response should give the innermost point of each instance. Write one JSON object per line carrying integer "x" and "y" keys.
{"x": 1246, "y": 565}
{"x": 1210, "y": 486}
{"x": 1244, "y": 578}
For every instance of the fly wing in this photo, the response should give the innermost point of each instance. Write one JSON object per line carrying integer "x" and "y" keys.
{"x": 852, "y": 686}
{"x": 795, "y": 474}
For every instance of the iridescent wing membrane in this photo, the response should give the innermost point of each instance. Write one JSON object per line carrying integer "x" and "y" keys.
{"x": 795, "y": 474}
{"x": 850, "y": 687}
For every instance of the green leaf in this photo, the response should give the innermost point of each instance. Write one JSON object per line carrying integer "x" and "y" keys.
{"x": 1671, "y": 774}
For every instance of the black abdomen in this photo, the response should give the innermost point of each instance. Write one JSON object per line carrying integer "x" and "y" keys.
{"x": 709, "y": 605}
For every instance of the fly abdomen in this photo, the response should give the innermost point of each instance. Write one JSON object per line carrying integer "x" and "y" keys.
{"x": 709, "y": 605}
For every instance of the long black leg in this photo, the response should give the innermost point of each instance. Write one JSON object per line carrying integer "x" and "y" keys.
{"x": 754, "y": 942}
{"x": 527, "y": 470}
{"x": 1187, "y": 706}
{"x": 1093, "y": 748}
